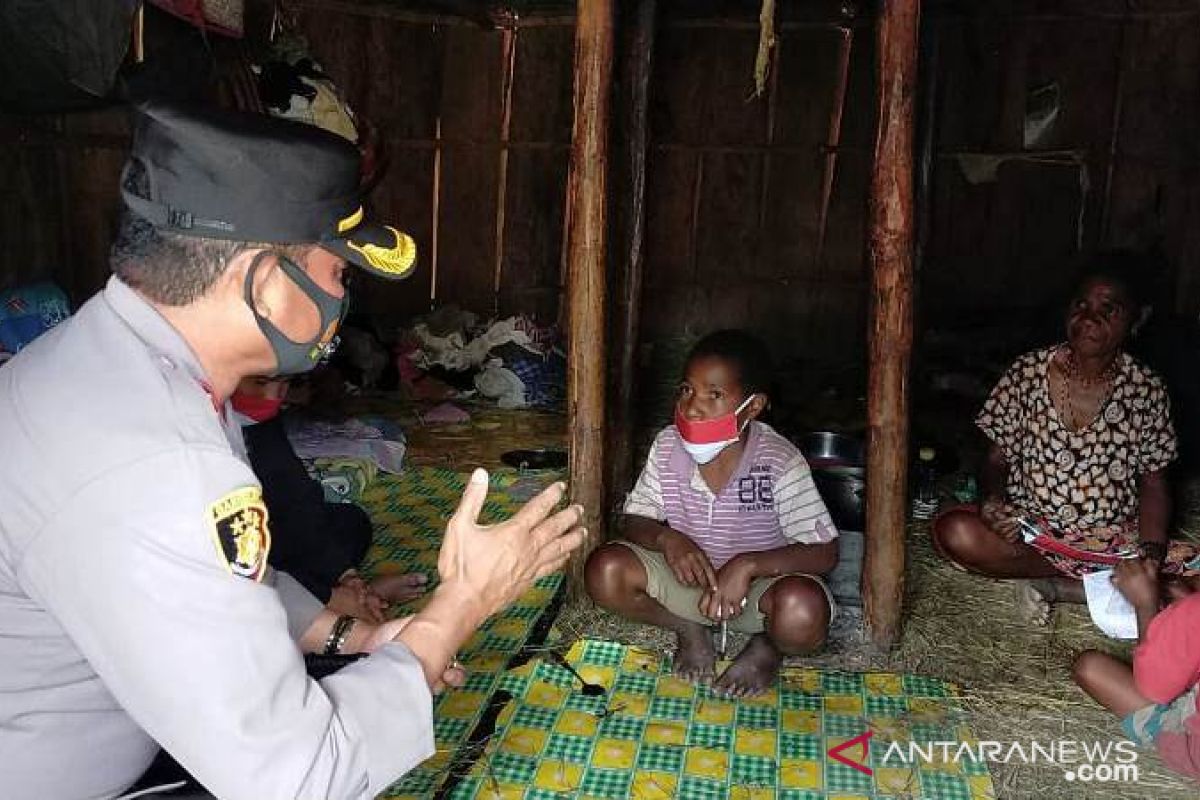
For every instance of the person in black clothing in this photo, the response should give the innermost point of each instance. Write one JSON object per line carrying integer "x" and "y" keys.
{"x": 320, "y": 544}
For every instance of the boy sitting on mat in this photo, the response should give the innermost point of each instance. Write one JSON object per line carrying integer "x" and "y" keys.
{"x": 1157, "y": 695}
{"x": 724, "y": 526}
{"x": 320, "y": 544}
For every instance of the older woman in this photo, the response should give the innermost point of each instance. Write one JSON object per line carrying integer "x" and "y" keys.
{"x": 1081, "y": 437}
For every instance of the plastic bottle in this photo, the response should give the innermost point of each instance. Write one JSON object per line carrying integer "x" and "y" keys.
{"x": 925, "y": 495}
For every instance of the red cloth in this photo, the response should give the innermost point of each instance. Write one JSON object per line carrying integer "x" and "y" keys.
{"x": 1165, "y": 665}
{"x": 1167, "y": 662}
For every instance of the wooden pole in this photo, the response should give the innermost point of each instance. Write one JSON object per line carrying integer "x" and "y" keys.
{"x": 890, "y": 245}
{"x": 631, "y": 217}
{"x": 834, "y": 139}
{"x": 586, "y": 196}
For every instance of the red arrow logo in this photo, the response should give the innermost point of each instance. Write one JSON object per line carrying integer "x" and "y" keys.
{"x": 863, "y": 738}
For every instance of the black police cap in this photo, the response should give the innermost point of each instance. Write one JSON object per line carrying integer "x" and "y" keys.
{"x": 221, "y": 174}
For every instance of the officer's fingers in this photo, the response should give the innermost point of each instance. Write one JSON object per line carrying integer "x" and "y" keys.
{"x": 537, "y": 517}
{"x": 473, "y": 498}
{"x": 706, "y": 570}
{"x": 555, "y": 555}
{"x": 454, "y": 676}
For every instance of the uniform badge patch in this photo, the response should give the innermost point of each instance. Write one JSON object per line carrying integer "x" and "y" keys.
{"x": 240, "y": 532}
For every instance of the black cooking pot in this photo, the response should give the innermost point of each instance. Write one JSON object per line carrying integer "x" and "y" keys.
{"x": 837, "y": 463}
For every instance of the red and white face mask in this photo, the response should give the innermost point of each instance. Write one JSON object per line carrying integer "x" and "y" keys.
{"x": 257, "y": 407}
{"x": 704, "y": 439}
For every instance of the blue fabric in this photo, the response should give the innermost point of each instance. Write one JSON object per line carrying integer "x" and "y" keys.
{"x": 27, "y": 312}
{"x": 545, "y": 378}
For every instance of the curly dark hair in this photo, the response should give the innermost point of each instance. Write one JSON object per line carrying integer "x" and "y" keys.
{"x": 745, "y": 351}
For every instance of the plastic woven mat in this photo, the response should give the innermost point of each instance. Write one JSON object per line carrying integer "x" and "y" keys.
{"x": 652, "y": 735}
{"x": 410, "y": 513}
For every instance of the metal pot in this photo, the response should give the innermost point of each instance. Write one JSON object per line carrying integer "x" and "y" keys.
{"x": 837, "y": 467}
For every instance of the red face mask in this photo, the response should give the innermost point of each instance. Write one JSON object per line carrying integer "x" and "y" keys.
{"x": 704, "y": 439}
{"x": 259, "y": 409}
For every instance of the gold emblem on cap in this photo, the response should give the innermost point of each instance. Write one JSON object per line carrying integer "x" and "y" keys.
{"x": 396, "y": 260}
{"x": 351, "y": 222}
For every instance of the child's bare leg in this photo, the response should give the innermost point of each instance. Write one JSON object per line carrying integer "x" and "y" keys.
{"x": 616, "y": 580}
{"x": 1109, "y": 681}
{"x": 797, "y": 620}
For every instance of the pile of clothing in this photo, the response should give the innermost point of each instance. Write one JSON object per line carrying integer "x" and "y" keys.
{"x": 26, "y": 312}
{"x": 514, "y": 361}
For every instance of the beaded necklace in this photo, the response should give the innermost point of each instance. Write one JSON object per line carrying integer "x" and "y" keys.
{"x": 1066, "y": 399}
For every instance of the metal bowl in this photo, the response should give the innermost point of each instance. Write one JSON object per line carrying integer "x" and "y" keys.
{"x": 837, "y": 467}
{"x": 826, "y": 449}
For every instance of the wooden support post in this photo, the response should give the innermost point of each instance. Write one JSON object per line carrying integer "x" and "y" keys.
{"x": 630, "y": 215}
{"x": 890, "y": 244}
{"x": 586, "y": 196}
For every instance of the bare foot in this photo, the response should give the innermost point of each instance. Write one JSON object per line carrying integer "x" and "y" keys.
{"x": 400, "y": 588}
{"x": 1034, "y": 601}
{"x": 694, "y": 654}
{"x": 753, "y": 671}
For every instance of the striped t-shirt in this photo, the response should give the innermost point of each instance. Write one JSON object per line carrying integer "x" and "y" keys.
{"x": 769, "y": 502}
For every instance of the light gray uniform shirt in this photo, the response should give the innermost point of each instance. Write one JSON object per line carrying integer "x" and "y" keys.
{"x": 122, "y": 623}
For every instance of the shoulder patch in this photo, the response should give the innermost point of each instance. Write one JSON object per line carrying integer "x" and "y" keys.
{"x": 238, "y": 522}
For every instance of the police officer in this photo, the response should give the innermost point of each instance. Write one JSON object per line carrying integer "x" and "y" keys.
{"x": 136, "y": 605}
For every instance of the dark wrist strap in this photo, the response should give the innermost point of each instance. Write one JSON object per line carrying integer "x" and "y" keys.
{"x": 337, "y": 637}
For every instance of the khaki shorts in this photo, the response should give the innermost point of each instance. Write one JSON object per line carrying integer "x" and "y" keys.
{"x": 684, "y": 601}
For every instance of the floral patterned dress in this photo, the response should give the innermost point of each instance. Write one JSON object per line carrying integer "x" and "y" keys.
{"x": 1083, "y": 483}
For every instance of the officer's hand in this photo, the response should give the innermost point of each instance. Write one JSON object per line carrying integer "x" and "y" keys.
{"x": 495, "y": 564}
{"x": 453, "y": 676}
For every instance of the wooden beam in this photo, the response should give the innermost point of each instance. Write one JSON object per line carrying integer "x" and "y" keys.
{"x": 586, "y": 214}
{"x": 890, "y": 335}
{"x": 636, "y": 67}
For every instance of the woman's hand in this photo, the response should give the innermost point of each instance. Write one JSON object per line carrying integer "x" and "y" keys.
{"x": 1001, "y": 517}
{"x": 729, "y": 597}
{"x": 1137, "y": 580}
{"x": 685, "y": 558}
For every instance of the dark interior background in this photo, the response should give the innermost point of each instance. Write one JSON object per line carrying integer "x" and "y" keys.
{"x": 735, "y": 182}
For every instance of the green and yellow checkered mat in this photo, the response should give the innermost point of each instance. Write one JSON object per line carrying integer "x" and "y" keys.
{"x": 410, "y": 513}
{"x": 654, "y": 736}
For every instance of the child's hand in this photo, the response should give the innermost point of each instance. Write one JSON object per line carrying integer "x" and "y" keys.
{"x": 1137, "y": 579}
{"x": 689, "y": 563}
{"x": 729, "y": 598}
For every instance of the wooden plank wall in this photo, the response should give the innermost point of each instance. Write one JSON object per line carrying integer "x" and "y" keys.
{"x": 734, "y": 184}
{"x": 734, "y": 188}
{"x": 437, "y": 93}
{"x": 1129, "y": 87}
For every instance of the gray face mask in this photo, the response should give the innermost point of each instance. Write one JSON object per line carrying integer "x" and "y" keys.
{"x": 292, "y": 358}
